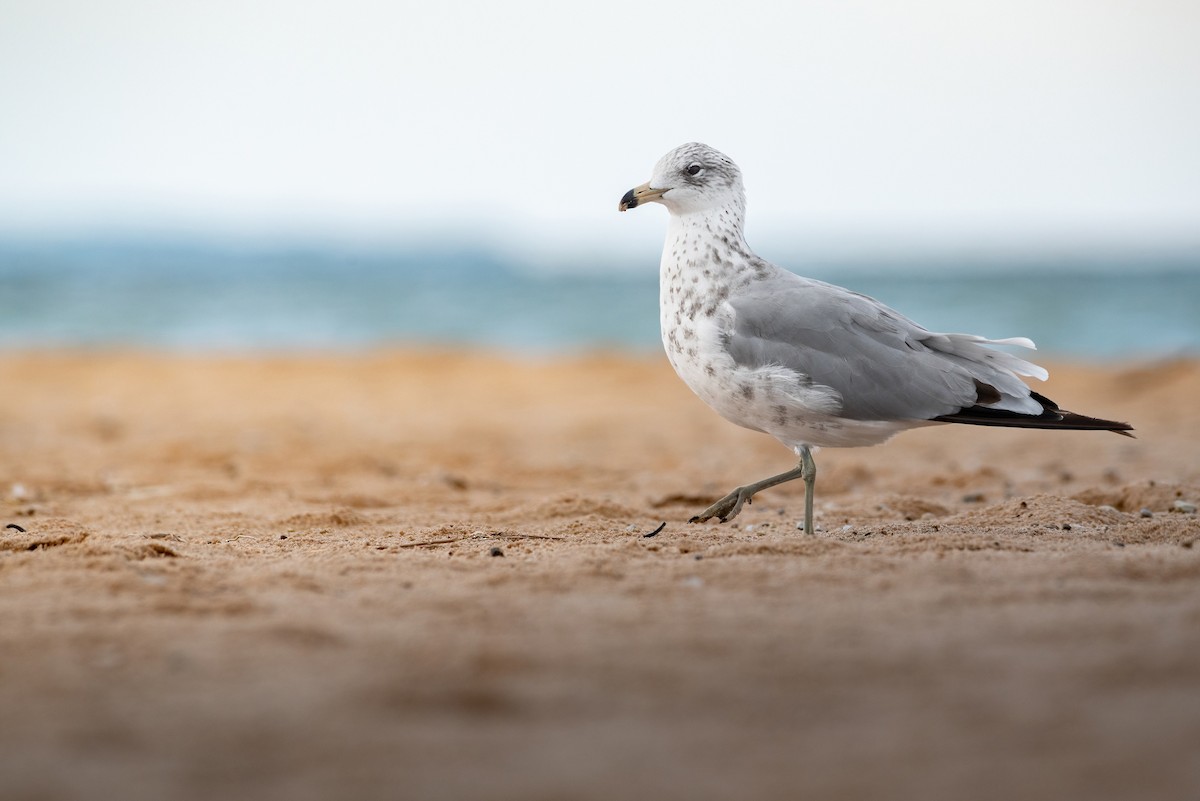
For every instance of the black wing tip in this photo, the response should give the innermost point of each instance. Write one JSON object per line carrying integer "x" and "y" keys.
{"x": 1080, "y": 422}
{"x": 1051, "y": 418}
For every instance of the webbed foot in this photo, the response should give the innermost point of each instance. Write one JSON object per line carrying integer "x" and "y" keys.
{"x": 727, "y": 508}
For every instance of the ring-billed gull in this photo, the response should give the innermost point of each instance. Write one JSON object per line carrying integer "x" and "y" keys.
{"x": 809, "y": 363}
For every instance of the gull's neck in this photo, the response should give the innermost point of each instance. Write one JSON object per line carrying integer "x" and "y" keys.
{"x": 705, "y": 259}
{"x": 706, "y": 248}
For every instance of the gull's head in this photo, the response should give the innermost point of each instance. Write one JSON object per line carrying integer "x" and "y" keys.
{"x": 692, "y": 177}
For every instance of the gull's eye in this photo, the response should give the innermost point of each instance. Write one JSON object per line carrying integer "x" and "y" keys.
{"x": 695, "y": 169}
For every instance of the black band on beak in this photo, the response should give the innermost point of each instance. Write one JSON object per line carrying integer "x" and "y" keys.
{"x": 628, "y": 201}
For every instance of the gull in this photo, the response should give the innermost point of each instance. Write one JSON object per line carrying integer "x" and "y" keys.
{"x": 809, "y": 363}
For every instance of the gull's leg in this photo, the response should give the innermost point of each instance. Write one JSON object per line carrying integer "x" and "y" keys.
{"x": 728, "y": 507}
{"x": 808, "y": 469}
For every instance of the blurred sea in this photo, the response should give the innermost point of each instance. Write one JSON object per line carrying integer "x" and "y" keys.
{"x": 188, "y": 296}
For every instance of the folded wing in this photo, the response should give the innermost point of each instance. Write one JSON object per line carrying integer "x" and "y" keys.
{"x": 885, "y": 366}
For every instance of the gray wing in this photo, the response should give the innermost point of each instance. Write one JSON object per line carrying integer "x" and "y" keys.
{"x": 883, "y": 365}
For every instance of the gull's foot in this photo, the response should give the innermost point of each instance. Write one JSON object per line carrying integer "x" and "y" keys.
{"x": 725, "y": 509}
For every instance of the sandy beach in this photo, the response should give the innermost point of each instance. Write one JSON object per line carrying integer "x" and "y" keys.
{"x": 426, "y": 574}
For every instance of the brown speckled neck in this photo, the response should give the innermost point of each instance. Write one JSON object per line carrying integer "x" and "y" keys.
{"x": 705, "y": 258}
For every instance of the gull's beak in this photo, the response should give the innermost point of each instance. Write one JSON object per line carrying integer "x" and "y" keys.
{"x": 639, "y": 195}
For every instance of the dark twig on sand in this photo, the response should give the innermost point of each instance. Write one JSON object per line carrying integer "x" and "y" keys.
{"x": 479, "y": 536}
{"x": 431, "y": 542}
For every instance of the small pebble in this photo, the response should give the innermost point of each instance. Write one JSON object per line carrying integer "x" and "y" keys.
{"x": 1066, "y": 527}
{"x": 973, "y": 497}
{"x": 1146, "y": 512}
{"x": 1186, "y": 507}
{"x": 496, "y": 551}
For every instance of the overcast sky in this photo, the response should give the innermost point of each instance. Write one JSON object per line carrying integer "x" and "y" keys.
{"x": 938, "y": 120}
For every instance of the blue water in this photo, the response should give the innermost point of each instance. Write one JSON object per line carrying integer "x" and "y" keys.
{"x": 203, "y": 297}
